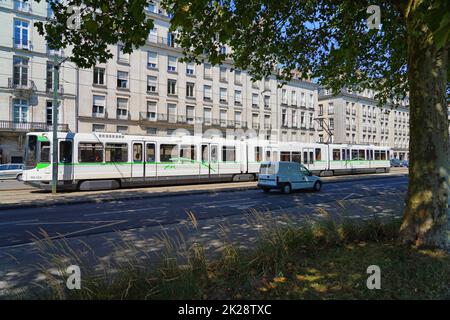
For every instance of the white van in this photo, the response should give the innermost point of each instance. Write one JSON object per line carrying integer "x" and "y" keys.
{"x": 286, "y": 176}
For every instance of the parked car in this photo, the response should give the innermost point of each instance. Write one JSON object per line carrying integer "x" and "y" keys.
{"x": 11, "y": 171}
{"x": 286, "y": 176}
{"x": 395, "y": 163}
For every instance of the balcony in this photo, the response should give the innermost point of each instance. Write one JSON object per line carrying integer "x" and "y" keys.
{"x": 24, "y": 86}
{"x": 170, "y": 42}
{"x": 182, "y": 120}
{"x": 30, "y": 126}
{"x": 22, "y": 44}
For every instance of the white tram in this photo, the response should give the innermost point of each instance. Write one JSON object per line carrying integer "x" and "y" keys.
{"x": 88, "y": 161}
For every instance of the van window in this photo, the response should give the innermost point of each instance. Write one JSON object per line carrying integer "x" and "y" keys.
{"x": 267, "y": 168}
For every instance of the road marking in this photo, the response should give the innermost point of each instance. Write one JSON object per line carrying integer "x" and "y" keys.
{"x": 122, "y": 211}
{"x": 348, "y": 196}
{"x": 19, "y": 222}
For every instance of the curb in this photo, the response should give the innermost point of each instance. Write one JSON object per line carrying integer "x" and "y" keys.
{"x": 176, "y": 193}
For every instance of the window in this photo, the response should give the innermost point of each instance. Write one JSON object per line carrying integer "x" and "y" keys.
{"x": 267, "y": 102}
{"x": 223, "y": 74}
{"x": 258, "y": 154}
{"x": 237, "y": 76}
{"x": 121, "y": 56}
{"x": 152, "y": 60}
{"x": 151, "y": 131}
{"x": 172, "y": 64}
{"x": 151, "y": 7}
{"x": 318, "y": 154}
{"x": 255, "y": 120}
{"x": 285, "y": 156}
{"x": 223, "y": 94}
{"x": 122, "y": 107}
{"x": 297, "y": 157}
{"x": 122, "y": 79}
{"x": 254, "y": 100}
{"x": 190, "y": 114}
{"x": 284, "y": 119}
{"x": 294, "y": 118}
{"x": 137, "y": 152}
{"x": 267, "y": 123}
{"x": 330, "y": 108}
{"x": 116, "y": 152}
{"x": 283, "y": 96}
{"x": 151, "y": 154}
{"x": 303, "y": 99}
{"x": 153, "y": 35}
{"x": 190, "y": 89}
{"x": 188, "y": 152}
{"x": 207, "y": 93}
{"x": 20, "y": 71}
{"x": 151, "y": 110}
{"x": 172, "y": 87}
{"x": 190, "y": 69}
{"x": 21, "y": 34}
{"x": 122, "y": 129}
{"x": 172, "y": 112}
{"x": 171, "y": 39}
{"x": 152, "y": 84}
{"x": 207, "y": 115}
{"x": 98, "y": 105}
{"x": 238, "y": 118}
{"x": 45, "y": 152}
{"x": 49, "y": 78}
{"x": 207, "y": 70}
{"x": 336, "y": 154}
{"x": 20, "y": 110}
{"x": 65, "y": 151}
{"x": 90, "y": 152}
{"x": 99, "y": 76}
{"x": 223, "y": 118}
{"x": 98, "y": 128}
{"x": 168, "y": 152}
{"x": 49, "y": 113}
{"x": 237, "y": 97}
{"x": 293, "y": 98}
{"x": 228, "y": 153}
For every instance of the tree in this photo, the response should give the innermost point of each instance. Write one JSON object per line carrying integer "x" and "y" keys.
{"x": 327, "y": 40}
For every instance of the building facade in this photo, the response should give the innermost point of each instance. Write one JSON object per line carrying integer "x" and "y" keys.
{"x": 26, "y": 81}
{"x": 354, "y": 117}
{"x": 148, "y": 92}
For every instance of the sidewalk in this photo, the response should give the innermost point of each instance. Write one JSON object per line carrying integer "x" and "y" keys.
{"x": 19, "y": 264}
{"x": 34, "y": 198}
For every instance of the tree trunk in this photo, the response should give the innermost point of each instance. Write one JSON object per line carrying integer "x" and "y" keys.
{"x": 425, "y": 215}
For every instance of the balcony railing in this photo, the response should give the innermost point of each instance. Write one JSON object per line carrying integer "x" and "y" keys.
{"x": 21, "y": 84}
{"x": 49, "y": 89}
{"x": 170, "y": 42}
{"x": 182, "y": 119}
{"x": 30, "y": 126}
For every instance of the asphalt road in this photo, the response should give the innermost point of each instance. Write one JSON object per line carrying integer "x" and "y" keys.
{"x": 20, "y": 226}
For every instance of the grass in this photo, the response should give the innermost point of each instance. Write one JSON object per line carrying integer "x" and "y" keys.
{"x": 325, "y": 259}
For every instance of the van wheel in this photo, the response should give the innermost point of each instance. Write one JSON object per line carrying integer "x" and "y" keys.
{"x": 317, "y": 186}
{"x": 19, "y": 177}
{"x": 287, "y": 188}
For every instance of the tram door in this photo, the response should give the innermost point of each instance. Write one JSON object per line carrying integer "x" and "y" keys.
{"x": 308, "y": 157}
{"x": 210, "y": 161}
{"x": 150, "y": 160}
{"x": 138, "y": 163}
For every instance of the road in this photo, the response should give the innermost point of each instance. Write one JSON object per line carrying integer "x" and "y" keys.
{"x": 19, "y": 226}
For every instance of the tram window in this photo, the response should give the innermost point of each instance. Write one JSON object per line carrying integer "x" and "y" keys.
{"x": 318, "y": 154}
{"x": 137, "y": 152}
{"x": 377, "y": 155}
{"x": 168, "y": 152}
{"x": 354, "y": 154}
{"x": 267, "y": 155}
{"x": 188, "y": 152}
{"x": 311, "y": 157}
{"x": 370, "y": 154}
{"x": 336, "y": 154}
{"x": 65, "y": 151}
{"x": 275, "y": 156}
{"x": 116, "y": 152}
{"x": 383, "y": 155}
{"x": 214, "y": 155}
{"x": 205, "y": 153}
{"x": 90, "y": 152}
{"x": 151, "y": 152}
{"x": 305, "y": 156}
{"x": 258, "y": 154}
{"x": 31, "y": 152}
{"x": 228, "y": 154}
{"x": 297, "y": 157}
{"x": 285, "y": 156}
{"x": 45, "y": 152}
{"x": 361, "y": 154}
